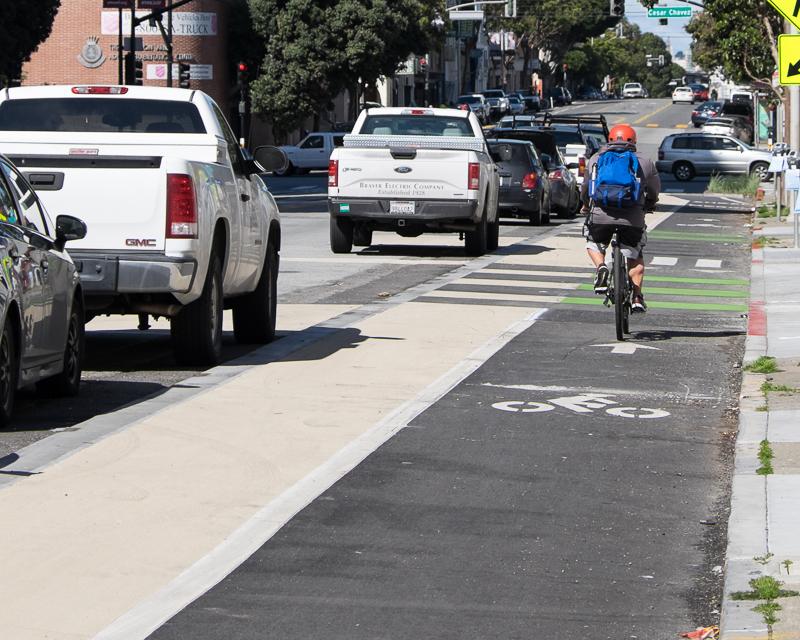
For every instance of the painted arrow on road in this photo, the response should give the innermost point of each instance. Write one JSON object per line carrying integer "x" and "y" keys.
{"x": 626, "y": 347}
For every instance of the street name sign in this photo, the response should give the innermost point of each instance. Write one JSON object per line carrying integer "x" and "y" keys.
{"x": 669, "y": 12}
{"x": 789, "y": 9}
{"x": 116, "y": 4}
{"x": 789, "y": 58}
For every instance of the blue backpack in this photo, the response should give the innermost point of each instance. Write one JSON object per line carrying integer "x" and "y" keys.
{"x": 615, "y": 181}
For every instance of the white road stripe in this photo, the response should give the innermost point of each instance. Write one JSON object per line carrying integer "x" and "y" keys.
{"x": 703, "y": 263}
{"x": 499, "y": 297}
{"x": 664, "y": 261}
{"x": 528, "y": 284}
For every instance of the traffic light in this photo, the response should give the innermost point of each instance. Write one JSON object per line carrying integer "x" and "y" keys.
{"x": 511, "y": 9}
{"x": 617, "y": 8}
{"x": 184, "y": 75}
{"x": 133, "y": 69}
{"x": 241, "y": 74}
{"x": 423, "y": 63}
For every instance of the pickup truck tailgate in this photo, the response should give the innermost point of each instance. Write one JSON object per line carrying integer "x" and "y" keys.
{"x": 404, "y": 168}
{"x": 119, "y": 190}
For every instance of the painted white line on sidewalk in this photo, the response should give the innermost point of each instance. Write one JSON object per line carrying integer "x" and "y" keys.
{"x": 151, "y": 613}
{"x": 664, "y": 261}
{"x": 703, "y": 263}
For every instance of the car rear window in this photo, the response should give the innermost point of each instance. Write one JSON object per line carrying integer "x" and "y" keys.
{"x": 565, "y": 137}
{"x": 467, "y": 99}
{"x": 737, "y": 109}
{"x": 493, "y": 94}
{"x": 511, "y": 153}
{"x": 100, "y": 115}
{"x": 400, "y": 125}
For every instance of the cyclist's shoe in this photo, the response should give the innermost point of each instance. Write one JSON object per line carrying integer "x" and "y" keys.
{"x": 601, "y": 280}
{"x": 638, "y": 305}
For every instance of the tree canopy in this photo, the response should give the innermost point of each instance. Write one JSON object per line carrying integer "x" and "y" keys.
{"x": 317, "y": 48}
{"x": 738, "y": 36}
{"x": 24, "y": 26}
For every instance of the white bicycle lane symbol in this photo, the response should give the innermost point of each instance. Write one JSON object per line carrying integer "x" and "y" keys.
{"x": 584, "y": 403}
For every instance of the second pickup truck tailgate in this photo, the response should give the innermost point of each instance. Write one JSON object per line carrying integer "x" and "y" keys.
{"x": 411, "y": 177}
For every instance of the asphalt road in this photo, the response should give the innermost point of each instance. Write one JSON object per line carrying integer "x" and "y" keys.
{"x": 562, "y": 490}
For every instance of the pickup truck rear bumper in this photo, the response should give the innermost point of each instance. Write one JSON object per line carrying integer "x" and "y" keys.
{"x": 425, "y": 211}
{"x": 106, "y": 273}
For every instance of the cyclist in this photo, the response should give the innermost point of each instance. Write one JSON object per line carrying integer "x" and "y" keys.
{"x": 601, "y": 222}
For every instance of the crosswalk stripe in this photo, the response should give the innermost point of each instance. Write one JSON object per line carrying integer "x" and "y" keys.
{"x": 485, "y": 295}
{"x": 528, "y": 284}
{"x": 664, "y": 261}
{"x": 551, "y": 274}
{"x": 703, "y": 263}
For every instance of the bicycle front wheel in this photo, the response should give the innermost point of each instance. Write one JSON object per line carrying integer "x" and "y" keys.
{"x": 620, "y": 293}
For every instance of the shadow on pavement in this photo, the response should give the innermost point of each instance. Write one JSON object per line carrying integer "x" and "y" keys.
{"x": 660, "y": 336}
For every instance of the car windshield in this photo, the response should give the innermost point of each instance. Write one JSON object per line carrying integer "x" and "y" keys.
{"x": 467, "y": 99}
{"x": 709, "y": 106}
{"x": 101, "y": 115}
{"x": 493, "y": 94}
{"x": 633, "y": 85}
{"x": 422, "y": 125}
{"x": 514, "y": 99}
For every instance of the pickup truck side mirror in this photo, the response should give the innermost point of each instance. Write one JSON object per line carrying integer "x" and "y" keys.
{"x": 267, "y": 158}
{"x": 69, "y": 228}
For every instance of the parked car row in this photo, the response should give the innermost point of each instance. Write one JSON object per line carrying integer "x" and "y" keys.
{"x": 179, "y": 224}
{"x": 687, "y": 155}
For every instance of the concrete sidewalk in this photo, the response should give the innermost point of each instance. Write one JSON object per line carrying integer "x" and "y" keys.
{"x": 764, "y": 527}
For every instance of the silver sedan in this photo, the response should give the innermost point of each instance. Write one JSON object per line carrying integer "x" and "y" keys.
{"x": 41, "y": 304}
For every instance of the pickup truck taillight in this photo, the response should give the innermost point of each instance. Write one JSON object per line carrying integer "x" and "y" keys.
{"x": 529, "y": 181}
{"x": 474, "y": 176}
{"x": 181, "y": 206}
{"x": 581, "y": 166}
{"x": 333, "y": 173}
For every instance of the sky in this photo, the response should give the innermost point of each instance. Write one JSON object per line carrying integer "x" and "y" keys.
{"x": 673, "y": 34}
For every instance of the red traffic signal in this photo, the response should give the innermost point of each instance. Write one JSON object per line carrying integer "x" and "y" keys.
{"x": 242, "y": 67}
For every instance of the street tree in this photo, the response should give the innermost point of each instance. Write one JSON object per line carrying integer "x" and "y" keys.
{"x": 317, "y": 48}
{"x": 556, "y": 26}
{"x": 739, "y": 37}
{"x": 23, "y": 27}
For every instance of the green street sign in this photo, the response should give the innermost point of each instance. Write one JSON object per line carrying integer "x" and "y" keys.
{"x": 669, "y": 12}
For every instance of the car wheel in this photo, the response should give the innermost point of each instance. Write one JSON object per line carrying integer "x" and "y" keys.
{"x": 341, "y": 235}
{"x": 68, "y": 382}
{"x": 476, "y": 241}
{"x": 535, "y": 217}
{"x": 683, "y": 171}
{"x": 761, "y": 169}
{"x": 289, "y": 170}
{"x": 254, "y": 315}
{"x": 9, "y": 371}
{"x": 197, "y": 330}
{"x": 362, "y": 236}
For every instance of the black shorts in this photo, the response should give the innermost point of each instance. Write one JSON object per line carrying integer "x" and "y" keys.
{"x": 631, "y": 239}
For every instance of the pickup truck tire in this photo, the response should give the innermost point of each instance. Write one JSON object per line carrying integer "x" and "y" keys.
{"x": 341, "y": 235}
{"x": 197, "y": 330}
{"x": 68, "y": 382}
{"x": 476, "y": 242}
{"x": 493, "y": 237}
{"x": 9, "y": 370}
{"x": 254, "y": 314}
{"x": 362, "y": 236}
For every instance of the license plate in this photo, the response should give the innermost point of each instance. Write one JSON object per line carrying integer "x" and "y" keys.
{"x": 401, "y": 207}
{"x": 504, "y": 182}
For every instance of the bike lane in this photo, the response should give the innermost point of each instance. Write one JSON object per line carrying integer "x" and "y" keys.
{"x": 570, "y": 487}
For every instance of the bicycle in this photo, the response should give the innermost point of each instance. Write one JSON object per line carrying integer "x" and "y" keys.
{"x": 620, "y": 289}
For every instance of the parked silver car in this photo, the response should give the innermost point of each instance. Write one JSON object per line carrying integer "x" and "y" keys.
{"x": 41, "y": 304}
{"x": 476, "y": 103}
{"x": 686, "y": 155}
{"x": 736, "y": 127}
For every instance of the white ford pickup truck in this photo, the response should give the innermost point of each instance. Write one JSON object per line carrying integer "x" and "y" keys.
{"x": 180, "y": 223}
{"x": 412, "y": 170}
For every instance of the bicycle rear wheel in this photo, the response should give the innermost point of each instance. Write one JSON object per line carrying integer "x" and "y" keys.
{"x": 620, "y": 293}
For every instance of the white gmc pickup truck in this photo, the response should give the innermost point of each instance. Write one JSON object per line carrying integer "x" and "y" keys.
{"x": 180, "y": 223}
{"x": 413, "y": 170}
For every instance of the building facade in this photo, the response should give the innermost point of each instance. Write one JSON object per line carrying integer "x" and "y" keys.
{"x": 83, "y": 47}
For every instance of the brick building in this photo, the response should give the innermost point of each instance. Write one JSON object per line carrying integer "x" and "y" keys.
{"x": 83, "y": 47}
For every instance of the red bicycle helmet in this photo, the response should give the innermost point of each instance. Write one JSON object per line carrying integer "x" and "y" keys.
{"x": 622, "y": 133}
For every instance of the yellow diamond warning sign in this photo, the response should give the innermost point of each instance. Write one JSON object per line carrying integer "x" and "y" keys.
{"x": 789, "y": 9}
{"x": 789, "y": 56}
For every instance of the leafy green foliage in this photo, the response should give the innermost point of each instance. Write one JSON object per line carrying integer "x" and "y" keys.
{"x": 738, "y": 36}
{"x": 23, "y": 27}
{"x": 317, "y": 48}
